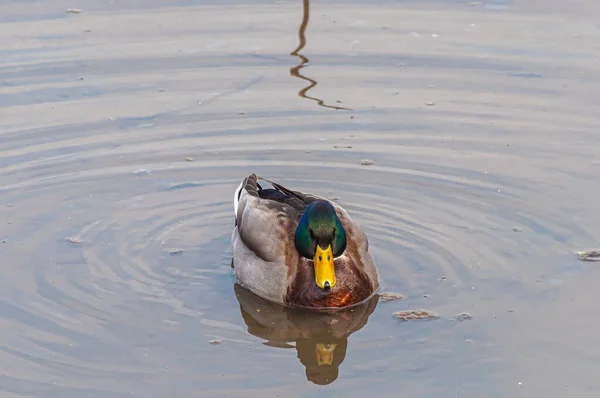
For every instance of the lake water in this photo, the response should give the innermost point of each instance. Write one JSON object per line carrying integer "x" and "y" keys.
{"x": 125, "y": 129}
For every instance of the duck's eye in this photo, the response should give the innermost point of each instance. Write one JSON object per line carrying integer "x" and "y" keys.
{"x": 328, "y": 257}
{"x": 320, "y": 258}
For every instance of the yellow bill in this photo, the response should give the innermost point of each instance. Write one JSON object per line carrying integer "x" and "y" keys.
{"x": 324, "y": 353}
{"x": 324, "y": 268}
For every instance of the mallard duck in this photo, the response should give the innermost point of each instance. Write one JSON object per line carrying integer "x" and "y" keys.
{"x": 299, "y": 249}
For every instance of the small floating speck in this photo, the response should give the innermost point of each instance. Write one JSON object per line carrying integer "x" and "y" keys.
{"x": 366, "y": 162}
{"x": 214, "y": 342}
{"x": 517, "y": 229}
{"x": 389, "y": 296}
{"x": 590, "y": 255}
{"x": 464, "y": 316}
{"x": 342, "y": 146}
{"x": 189, "y": 159}
{"x": 73, "y": 240}
{"x": 74, "y": 10}
{"x": 415, "y": 315}
{"x": 142, "y": 172}
{"x": 176, "y": 252}
{"x": 430, "y": 103}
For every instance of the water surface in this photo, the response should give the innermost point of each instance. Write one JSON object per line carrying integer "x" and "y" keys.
{"x": 125, "y": 129}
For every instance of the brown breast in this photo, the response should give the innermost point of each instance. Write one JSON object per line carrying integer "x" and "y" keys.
{"x": 352, "y": 286}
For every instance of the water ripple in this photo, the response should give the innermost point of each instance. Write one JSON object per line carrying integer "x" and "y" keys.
{"x": 115, "y": 196}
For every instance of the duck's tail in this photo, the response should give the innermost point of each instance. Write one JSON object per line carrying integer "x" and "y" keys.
{"x": 236, "y": 199}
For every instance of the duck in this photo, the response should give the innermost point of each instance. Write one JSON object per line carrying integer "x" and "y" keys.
{"x": 299, "y": 249}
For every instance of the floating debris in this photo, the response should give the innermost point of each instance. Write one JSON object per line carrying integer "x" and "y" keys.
{"x": 176, "y": 252}
{"x": 415, "y": 315}
{"x": 74, "y": 11}
{"x": 74, "y": 241}
{"x": 214, "y": 342}
{"x": 390, "y": 296}
{"x": 464, "y": 316}
{"x": 430, "y": 103}
{"x": 189, "y": 159}
{"x": 517, "y": 229}
{"x": 366, "y": 162}
{"x": 443, "y": 278}
{"x": 342, "y": 146}
{"x": 142, "y": 172}
{"x": 590, "y": 255}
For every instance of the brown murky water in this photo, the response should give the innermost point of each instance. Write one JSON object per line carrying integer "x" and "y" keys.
{"x": 125, "y": 129}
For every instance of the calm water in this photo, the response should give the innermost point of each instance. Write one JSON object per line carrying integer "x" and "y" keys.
{"x": 124, "y": 130}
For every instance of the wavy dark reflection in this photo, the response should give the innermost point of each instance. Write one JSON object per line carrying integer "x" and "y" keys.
{"x": 320, "y": 339}
{"x": 295, "y": 71}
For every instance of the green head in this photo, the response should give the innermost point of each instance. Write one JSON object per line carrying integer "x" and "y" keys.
{"x": 320, "y": 237}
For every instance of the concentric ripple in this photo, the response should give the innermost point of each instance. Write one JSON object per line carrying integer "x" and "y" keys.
{"x": 121, "y": 152}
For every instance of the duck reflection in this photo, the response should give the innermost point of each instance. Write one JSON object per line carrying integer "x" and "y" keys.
{"x": 320, "y": 339}
{"x": 295, "y": 71}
